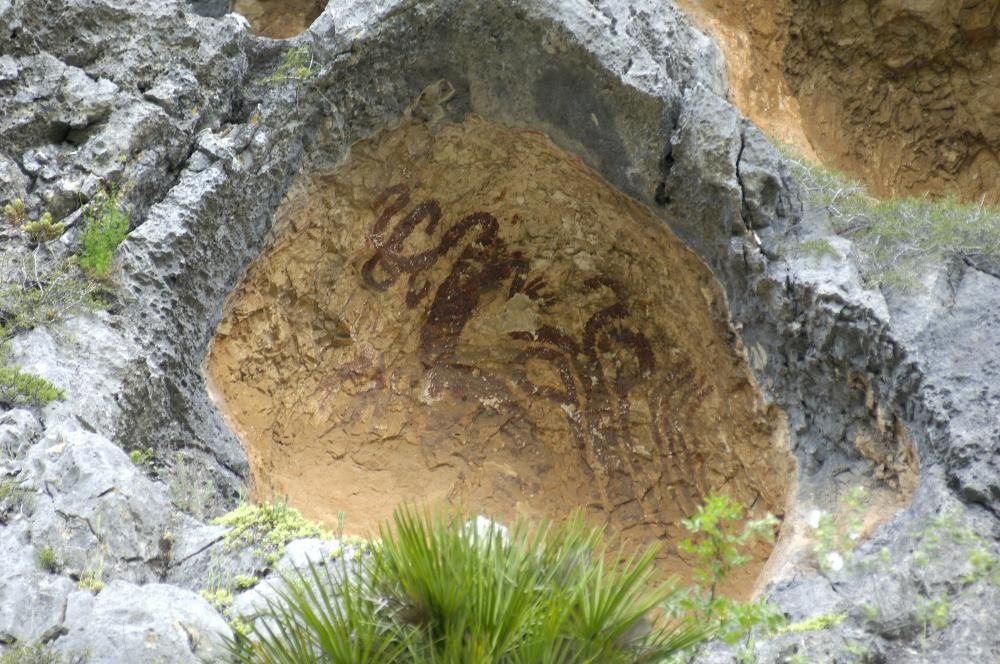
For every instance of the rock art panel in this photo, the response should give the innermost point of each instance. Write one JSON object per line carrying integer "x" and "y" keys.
{"x": 469, "y": 315}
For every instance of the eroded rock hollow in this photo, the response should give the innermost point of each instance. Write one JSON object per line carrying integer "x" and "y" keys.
{"x": 471, "y": 316}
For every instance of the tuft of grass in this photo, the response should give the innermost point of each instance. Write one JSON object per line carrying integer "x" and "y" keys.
{"x": 436, "y": 591}
{"x": 191, "y": 488}
{"x": 245, "y": 581}
{"x": 48, "y": 560}
{"x": 92, "y": 578}
{"x": 267, "y": 527}
{"x": 819, "y": 248}
{"x": 898, "y": 237}
{"x": 38, "y": 653}
{"x": 106, "y": 226}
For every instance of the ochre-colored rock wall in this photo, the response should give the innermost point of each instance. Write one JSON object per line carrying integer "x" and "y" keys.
{"x": 473, "y": 317}
{"x": 904, "y": 93}
{"x": 279, "y": 19}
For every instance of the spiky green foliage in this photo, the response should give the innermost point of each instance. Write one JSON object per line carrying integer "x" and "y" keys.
{"x": 13, "y": 498}
{"x": 898, "y": 237}
{"x": 436, "y": 591}
{"x": 106, "y": 226}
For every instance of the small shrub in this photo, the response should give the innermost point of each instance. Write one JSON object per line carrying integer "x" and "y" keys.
{"x": 15, "y": 212}
{"x": 436, "y": 591}
{"x": 719, "y": 540}
{"x": 48, "y": 560}
{"x": 267, "y": 527}
{"x": 43, "y": 230}
{"x": 143, "y": 458}
{"x": 934, "y": 612}
{"x": 297, "y": 66}
{"x": 21, "y": 387}
{"x": 32, "y": 298}
{"x": 837, "y": 537}
{"x": 106, "y": 227}
{"x": 898, "y": 237}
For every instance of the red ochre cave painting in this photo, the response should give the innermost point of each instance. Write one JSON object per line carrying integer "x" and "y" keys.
{"x": 603, "y": 368}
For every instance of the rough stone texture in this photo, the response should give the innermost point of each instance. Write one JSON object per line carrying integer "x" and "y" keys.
{"x": 903, "y": 94}
{"x": 151, "y": 623}
{"x": 32, "y": 601}
{"x": 865, "y": 380}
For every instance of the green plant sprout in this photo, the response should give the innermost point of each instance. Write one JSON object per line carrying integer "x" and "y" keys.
{"x": 43, "y": 230}
{"x": 107, "y": 224}
{"x": 719, "y": 540}
{"x": 15, "y": 212}
{"x": 47, "y": 558}
{"x": 143, "y": 458}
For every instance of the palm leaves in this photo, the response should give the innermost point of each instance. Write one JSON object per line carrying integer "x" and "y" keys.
{"x": 436, "y": 591}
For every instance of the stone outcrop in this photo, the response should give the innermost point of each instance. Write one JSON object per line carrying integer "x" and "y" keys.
{"x": 172, "y": 107}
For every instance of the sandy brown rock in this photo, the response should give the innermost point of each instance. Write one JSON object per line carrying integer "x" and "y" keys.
{"x": 473, "y": 317}
{"x": 279, "y": 19}
{"x": 904, "y": 94}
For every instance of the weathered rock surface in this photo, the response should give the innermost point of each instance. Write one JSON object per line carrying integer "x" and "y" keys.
{"x": 149, "y": 623}
{"x": 165, "y": 102}
{"x": 903, "y": 94}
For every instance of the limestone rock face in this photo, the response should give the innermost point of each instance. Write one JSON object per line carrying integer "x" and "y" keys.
{"x": 154, "y": 622}
{"x": 174, "y": 108}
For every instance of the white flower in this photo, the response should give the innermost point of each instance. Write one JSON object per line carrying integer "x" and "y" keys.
{"x": 813, "y": 518}
{"x": 834, "y": 561}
